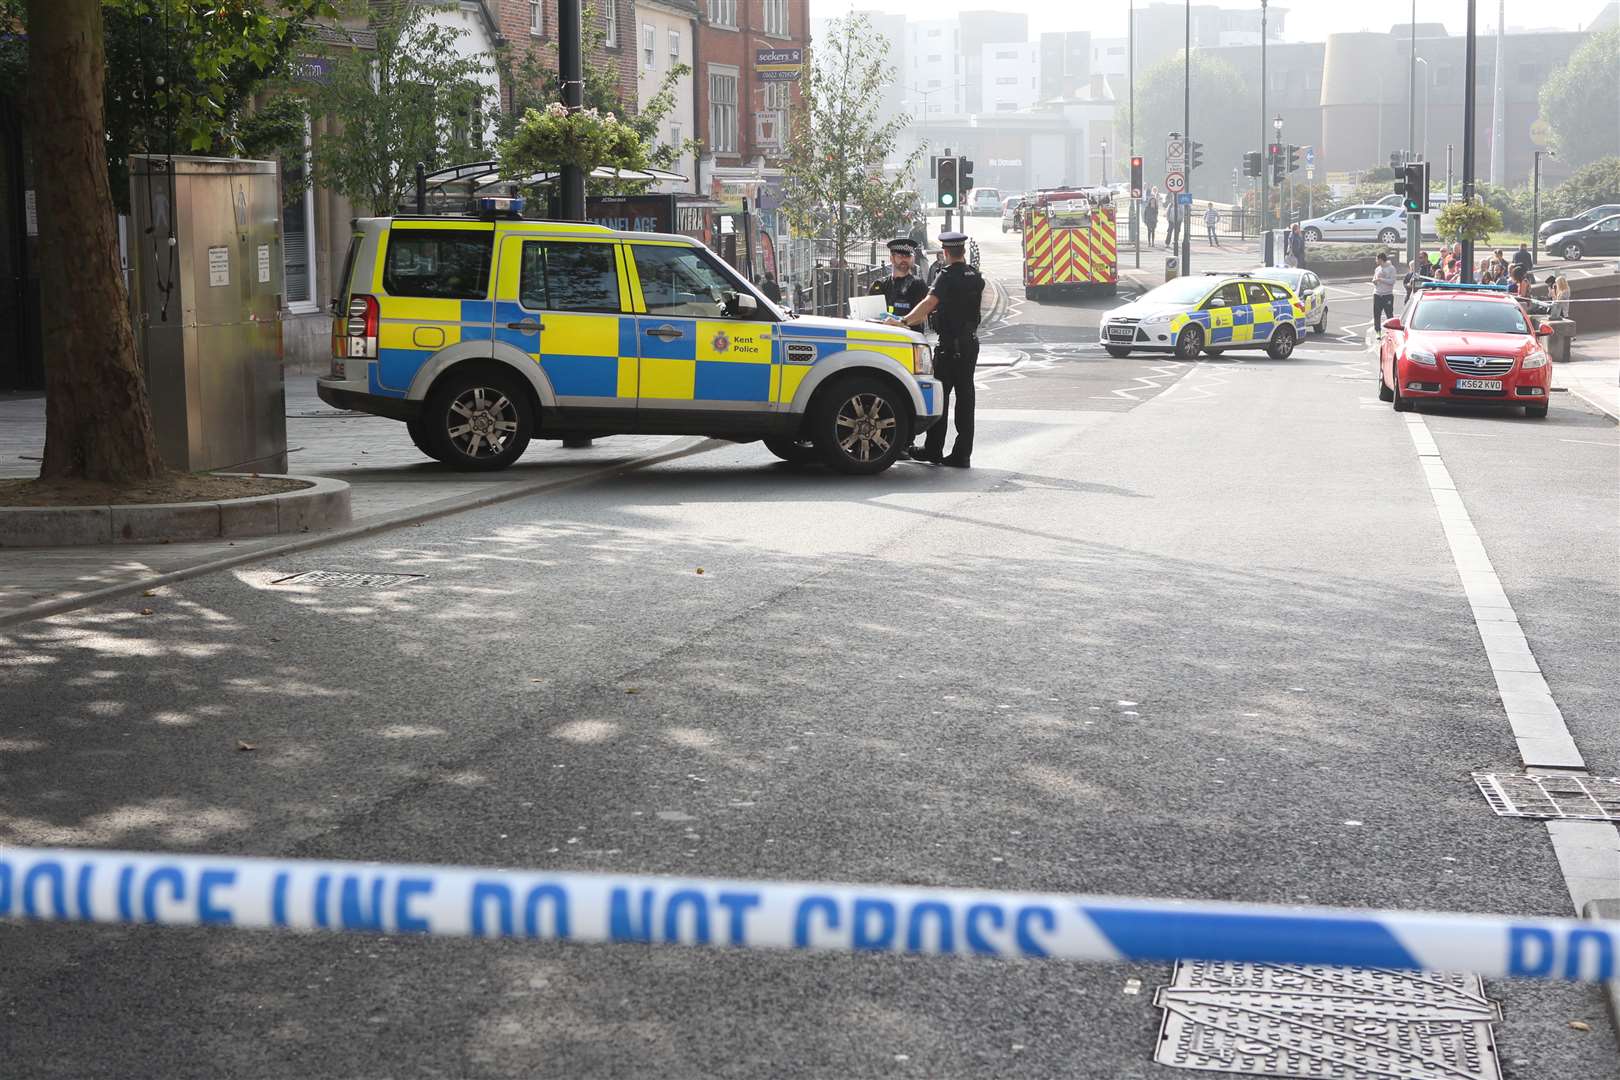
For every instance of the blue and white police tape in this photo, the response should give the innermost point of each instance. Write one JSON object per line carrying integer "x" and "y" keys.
{"x": 73, "y": 885}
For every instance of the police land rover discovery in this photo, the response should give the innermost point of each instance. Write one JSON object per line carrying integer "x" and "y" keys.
{"x": 482, "y": 333}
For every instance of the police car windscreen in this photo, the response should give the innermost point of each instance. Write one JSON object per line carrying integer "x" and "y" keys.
{"x": 1179, "y": 291}
{"x": 1483, "y": 317}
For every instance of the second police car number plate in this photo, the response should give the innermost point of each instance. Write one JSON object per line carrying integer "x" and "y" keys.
{"x": 1121, "y": 333}
{"x": 1479, "y": 384}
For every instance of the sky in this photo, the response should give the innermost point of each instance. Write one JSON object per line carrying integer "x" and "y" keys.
{"x": 1307, "y": 20}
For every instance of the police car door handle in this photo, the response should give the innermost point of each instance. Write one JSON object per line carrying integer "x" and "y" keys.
{"x": 528, "y": 326}
{"x": 668, "y": 333}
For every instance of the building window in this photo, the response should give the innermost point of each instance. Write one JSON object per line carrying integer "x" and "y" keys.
{"x": 648, "y": 35}
{"x": 723, "y": 13}
{"x": 298, "y": 237}
{"x": 675, "y": 134}
{"x": 776, "y": 18}
{"x": 936, "y": 58}
{"x": 610, "y": 32}
{"x": 674, "y": 47}
{"x": 537, "y": 17}
{"x": 1006, "y": 55}
{"x": 723, "y": 111}
{"x": 1010, "y": 80}
{"x": 1006, "y": 106}
{"x": 934, "y": 32}
{"x": 933, "y": 84}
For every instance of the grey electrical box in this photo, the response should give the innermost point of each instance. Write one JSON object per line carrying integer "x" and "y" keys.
{"x": 206, "y": 268}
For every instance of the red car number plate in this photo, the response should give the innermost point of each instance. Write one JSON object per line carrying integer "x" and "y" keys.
{"x": 1479, "y": 384}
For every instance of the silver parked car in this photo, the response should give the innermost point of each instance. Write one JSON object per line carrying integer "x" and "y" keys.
{"x": 1384, "y": 224}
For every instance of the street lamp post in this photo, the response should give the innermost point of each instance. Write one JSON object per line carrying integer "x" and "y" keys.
{"x": 1470, "y": 58}
{"x": 1276, "y": 127}
{"x": 571, "y": 73}
{"x": 1104, "y": 148}
{"x": 1423, "y": 141}
{"x": 1535, "y": 202}
{"x": 1186, "y": 135}
{"x": 1267, "y": 241}
{"x": 1136, "y": 201}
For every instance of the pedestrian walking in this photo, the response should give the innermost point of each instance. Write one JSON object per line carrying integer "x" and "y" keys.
{"x": 1383, "y": 283}
{"x": 954, "y": 302}
{"x": 1294, "y": 246}
{"x": 1172, "y": 225}
{"x": 1150, "y": 217}
{"x": 1523, "y": 258}
{"x": 772, "y": 290}
{"x": 1212, "y": 218}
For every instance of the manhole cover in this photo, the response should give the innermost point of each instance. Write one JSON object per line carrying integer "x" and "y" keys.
{"x": 343, "y": 579}
{"x": 1579, "y": 798}
{"x": 1318, "y": 1021}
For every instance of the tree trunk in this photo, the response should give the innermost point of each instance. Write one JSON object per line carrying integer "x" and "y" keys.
{"x": 98, "y": 422}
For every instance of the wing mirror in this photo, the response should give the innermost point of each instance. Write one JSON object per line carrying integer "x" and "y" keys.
{"x": 746, "y": 302}
{"x": 1394, "y": 324}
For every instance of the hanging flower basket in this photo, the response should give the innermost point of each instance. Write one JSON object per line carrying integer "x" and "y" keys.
{"x": 548, "y": 139}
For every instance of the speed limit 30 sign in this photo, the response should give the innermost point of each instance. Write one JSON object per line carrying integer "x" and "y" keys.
{"x": 1175, "y": 183}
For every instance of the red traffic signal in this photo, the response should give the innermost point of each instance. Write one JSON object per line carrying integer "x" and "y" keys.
{"x": 1136, "y": 177}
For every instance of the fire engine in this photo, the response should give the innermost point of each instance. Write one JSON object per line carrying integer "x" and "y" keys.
{"x": 1069, "y": 242}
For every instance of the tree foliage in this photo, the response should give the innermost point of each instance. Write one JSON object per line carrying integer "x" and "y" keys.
{"x": 533, "y": 84}
{"x": 1221, "y": 99}
{"x": 1580, "y": 103}
{"x": 833, "y": 178}
{"x": 1467, "y": 221}
{"x": 180, "y": 75}
{"x": 1596, "y": 183}
{"x": 416, "y": 99}
{"x": 548, "y": 139}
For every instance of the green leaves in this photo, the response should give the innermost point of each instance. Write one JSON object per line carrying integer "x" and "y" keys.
{"x": 550, "y": 138}
{"x": 1467, "y": 221}
{"x": 1580, "y": 102}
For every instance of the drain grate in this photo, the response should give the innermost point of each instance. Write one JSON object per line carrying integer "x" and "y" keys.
{"x": 1318, "y": 1021}
{"x": 1576, "y": 798}
{"x": 343, "y": 579}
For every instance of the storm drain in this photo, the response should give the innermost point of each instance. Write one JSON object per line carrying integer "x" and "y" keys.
{"x": 1576, "y": 798}
{"x": 343, "y": 579}
{"x": 1318, "y": 1021}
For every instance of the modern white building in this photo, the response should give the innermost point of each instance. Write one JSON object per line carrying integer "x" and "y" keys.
{"x": 1110, "y": 57}
{"x": 1010, "y": 76}
{"x": 934, "y": 84}
{"x": 665, "y": 39}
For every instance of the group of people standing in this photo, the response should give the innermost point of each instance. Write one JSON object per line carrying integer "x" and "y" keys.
{"x": 1156, "y": 205}
{"x": 1498, "y": 268}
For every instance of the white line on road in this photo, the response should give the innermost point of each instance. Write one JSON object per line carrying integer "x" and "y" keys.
{"x": 1588, "y": 852}
{"x": 1591, "y": 442}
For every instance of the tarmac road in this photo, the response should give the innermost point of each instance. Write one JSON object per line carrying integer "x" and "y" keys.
{"x": 1192, "y": 632}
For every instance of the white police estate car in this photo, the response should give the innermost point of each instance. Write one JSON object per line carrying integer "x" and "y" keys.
{"x": 1207, "y": 314}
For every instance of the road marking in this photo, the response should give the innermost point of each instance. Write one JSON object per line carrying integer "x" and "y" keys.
{"x": 1590, "y": 442}
{"x": 1588, "y": 852}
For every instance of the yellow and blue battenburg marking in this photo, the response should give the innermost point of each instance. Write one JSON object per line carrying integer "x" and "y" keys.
{"x": 1239, "y": 323}
{"x": 165, "y": 889}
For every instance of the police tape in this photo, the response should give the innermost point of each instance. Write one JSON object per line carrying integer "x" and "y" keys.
{"x": 74, "y": 885}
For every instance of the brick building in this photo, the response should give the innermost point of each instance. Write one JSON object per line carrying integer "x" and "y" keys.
{"x": 532, "y": 25}
{"x": 743, "y": 111}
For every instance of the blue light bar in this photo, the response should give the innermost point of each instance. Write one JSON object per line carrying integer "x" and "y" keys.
{"x": 1460, "y": 286}
{"x": 491, "y": 205}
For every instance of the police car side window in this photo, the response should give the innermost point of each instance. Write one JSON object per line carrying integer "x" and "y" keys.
{"x": 447, "y": 265}
{"x": 679, "y": 281}
{"x": 568, "y": 277}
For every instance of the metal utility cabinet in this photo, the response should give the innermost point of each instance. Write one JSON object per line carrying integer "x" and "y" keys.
{"x": 205, "y": 257}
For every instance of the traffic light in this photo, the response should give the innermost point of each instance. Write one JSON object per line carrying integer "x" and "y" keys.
{"x": 948, "y": 191}
{"x": 1136, "y": 177}
{"x": 1413, "y": 187}
{"x": 964, "y": 176}
{"x": 1276, "y": 152}
{"x": 1293, "y": 158}
{"x": 1195, "y": 154}
{"x": 1251, "y": 164}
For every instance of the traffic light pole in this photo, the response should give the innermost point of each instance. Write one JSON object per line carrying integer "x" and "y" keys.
{"x": 1186, "y": 135}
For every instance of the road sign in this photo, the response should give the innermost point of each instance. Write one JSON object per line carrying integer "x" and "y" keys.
{"x": 1175, "y": 182}
{"x": 1310, "y": 172}
{"x": 1185, "y": 198}
{"x": 1310, "y": 155}
{"x": 1175, "y": 152}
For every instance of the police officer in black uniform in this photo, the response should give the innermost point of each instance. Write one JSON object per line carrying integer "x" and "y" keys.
{"x": 903, "y": 289}
{"x": 954, "y": 303}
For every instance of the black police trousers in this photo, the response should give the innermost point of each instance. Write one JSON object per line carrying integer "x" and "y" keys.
{"x": 955, "y": 360}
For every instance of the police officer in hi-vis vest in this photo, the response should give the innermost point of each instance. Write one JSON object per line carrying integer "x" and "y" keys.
{"x": 954, "y": 302}
{"x": 903, "y": 289}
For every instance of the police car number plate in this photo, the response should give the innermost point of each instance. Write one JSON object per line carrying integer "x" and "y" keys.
{"x": 1479, "y": 384}
{"x": 1121, "y": 333}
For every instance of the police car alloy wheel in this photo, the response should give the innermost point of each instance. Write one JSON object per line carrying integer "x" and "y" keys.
{"x": 479, "y": 420}
{"x": 1281, "y": 345}
{"x": 860, "y": 425}
{"x": 1190, "y": 341}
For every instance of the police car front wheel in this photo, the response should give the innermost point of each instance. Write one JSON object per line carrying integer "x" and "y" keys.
{"x": 1281, "y": 345}
{"x": 479, "y": 420}
{"x": 860, "y": 424}
{"x": 1189, "y": 342}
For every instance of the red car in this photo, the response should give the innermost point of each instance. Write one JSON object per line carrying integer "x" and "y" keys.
{"x": 1464, "y": 343}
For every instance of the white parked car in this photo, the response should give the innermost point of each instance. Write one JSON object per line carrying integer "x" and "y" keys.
{"x": 984, "y": 200}
{"x": 1009, "y": 212}
{"x": 1384, "y": 224}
